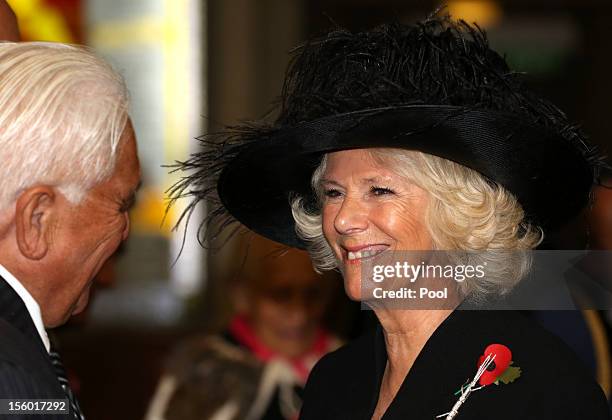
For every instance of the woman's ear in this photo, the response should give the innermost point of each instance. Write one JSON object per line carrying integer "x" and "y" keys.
{"x": 34, "y": 215}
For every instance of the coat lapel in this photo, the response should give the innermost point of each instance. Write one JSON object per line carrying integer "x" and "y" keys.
{"x": 31, "y": 350}
{"x": 13, "y": 311}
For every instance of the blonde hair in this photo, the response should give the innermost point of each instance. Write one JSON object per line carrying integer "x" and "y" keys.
{"x": 466, "y": 212}
{"x": 62, "y": 113}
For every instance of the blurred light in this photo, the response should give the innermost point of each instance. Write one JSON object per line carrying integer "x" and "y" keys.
{"x": 40, "y": 21}
{"x": 149, "y": 212}
{"x": 113, "y": 34}
{"x": 159, "y": 47}
{"x": 486, "y": 13}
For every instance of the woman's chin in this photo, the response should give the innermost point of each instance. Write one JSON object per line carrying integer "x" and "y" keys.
{"x": 352, "y": 287}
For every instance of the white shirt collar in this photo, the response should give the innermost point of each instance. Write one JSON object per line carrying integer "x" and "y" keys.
{"x": 30, "y": 304}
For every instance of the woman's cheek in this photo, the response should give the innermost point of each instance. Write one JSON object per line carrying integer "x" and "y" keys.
{"x": 328, "y": 213}
{"x": 385, "y": 216}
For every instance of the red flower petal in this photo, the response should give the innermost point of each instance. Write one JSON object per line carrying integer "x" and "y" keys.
{"x": 503, "y": 357}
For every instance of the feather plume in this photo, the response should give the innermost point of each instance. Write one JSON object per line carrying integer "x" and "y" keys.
{"x": 438, "y": 61}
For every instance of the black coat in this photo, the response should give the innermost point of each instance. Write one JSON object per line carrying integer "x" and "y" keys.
{"x": 553, "y": 385}
{"x": 26, "y": 370}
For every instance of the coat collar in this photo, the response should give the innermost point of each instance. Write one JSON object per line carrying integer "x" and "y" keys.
{"x": 14, "y": 312}
{"x": 447, "y": 360}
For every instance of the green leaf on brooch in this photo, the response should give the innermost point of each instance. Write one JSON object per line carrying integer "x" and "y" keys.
{"x": 509, "y": 375}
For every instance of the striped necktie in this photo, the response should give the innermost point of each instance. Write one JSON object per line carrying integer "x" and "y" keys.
{"x": 63, "y": 380}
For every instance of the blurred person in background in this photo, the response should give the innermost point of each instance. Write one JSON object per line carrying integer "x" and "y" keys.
{"x": 257, "y": 368}
{"x": 69, "y": 175}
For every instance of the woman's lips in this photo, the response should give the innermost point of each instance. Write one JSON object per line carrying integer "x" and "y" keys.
{"x": 355, "y": 254}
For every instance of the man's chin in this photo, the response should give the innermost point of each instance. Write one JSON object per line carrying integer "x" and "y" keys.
{"x": 81, "y": 304}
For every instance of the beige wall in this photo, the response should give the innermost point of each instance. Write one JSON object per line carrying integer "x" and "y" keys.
{"x": 249, "y": 41}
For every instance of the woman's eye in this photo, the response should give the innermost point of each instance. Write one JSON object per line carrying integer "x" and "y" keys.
{"x": 381, "y": 191}
{"x": 332, "y": 193}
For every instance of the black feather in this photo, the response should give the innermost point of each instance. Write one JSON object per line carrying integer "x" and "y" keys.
{"x": 437, "y": 62}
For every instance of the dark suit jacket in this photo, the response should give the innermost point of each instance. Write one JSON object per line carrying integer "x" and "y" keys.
{"x": 553, "y": 384}
{"x": 26, "y": 370}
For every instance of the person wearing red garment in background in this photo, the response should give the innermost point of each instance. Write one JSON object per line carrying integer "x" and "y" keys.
{"x": 257, "y": 368}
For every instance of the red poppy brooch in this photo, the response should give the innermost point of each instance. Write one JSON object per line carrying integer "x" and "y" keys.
{"x": 495, "y": 366}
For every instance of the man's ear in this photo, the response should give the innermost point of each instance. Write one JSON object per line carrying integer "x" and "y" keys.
{"x": 34, "y": 215}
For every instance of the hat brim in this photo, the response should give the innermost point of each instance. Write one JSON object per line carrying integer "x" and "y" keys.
{"x": 547, "y": 174}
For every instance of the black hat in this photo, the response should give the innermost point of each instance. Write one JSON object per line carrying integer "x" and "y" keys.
{"x": 435, "y": 86}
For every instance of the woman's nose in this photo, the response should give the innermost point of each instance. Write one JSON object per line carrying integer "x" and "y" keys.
{"x": 352, "y": 216}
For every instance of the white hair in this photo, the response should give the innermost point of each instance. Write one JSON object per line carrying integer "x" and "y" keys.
{"x": 466, "y": 212}
{"x": 62, "y": 113}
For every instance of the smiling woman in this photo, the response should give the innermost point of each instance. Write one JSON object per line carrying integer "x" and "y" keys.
{"x": 366, "y": 208}
{"x": 415, "y": 138}
{"x": 427, "y": 202}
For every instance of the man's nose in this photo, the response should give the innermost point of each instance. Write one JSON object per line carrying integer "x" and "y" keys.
{"x": 352, "y": 216}
{"x": 126, "y": 229}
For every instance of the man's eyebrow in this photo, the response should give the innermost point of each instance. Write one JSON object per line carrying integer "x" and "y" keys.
{"x": 132, "y": 195}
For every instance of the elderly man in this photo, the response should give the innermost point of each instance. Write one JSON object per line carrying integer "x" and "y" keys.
{"x": 69, "y": 174}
